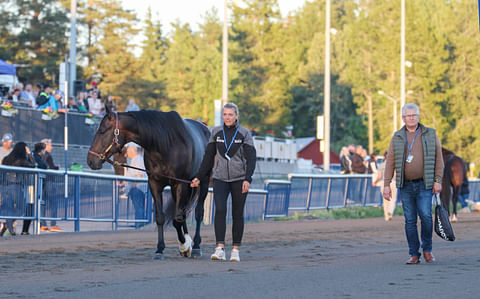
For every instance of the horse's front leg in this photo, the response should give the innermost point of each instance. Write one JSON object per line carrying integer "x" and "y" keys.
{"x": 199, "y": 212}
{"x": 159, "y": 217}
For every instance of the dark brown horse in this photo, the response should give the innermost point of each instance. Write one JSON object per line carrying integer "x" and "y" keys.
{"x": 453, "y": 176}
{"x": 174, "y": 148}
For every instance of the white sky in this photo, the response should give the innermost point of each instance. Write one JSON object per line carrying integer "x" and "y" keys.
{"x": 191, "y": 11}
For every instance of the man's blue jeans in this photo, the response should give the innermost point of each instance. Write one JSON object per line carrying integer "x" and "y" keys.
{"x": 417, "y": 202}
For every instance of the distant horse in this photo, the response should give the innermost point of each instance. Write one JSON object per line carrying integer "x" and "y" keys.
{"x": 174, "y": 150}
{"x": 453, "y": 176}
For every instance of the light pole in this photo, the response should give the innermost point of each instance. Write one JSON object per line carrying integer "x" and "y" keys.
{"x": 326, "y": 98}
{"x": 402, "y": 57}
{"x": 225, "y": 54}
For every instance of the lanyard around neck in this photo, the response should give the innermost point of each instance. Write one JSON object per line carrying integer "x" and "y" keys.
{"x": 410, "y": 146}
{"x": 231, "y": 141}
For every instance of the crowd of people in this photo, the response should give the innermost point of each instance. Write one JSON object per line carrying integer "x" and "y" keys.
{"x": 15, "y": 200}
{"x": 40, "y": 97}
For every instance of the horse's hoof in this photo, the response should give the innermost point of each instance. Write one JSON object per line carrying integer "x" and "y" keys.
{"x": 196, "y": 253}
{"x": 158, "y": 257}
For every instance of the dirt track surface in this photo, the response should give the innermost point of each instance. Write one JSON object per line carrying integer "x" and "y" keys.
{"x": 295, "y": 259}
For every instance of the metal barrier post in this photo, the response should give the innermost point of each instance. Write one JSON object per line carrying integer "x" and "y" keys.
{"x": 365, "y": 182}
{"x": 309, "y": 194}
{"x": 327, "y": 200}
{"x": 115, "y": 205}
{"x": 345, "y": 194}
{"x": 76, "y": 199}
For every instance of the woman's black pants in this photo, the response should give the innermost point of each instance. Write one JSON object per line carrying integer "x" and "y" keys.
{"x": 221, "y": 190}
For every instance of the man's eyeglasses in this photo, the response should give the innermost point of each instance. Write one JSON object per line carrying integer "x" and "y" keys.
{"x": 411, "y": 116}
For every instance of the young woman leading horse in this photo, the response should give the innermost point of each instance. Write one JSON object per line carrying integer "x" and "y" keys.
{"x": 174, "y": 148}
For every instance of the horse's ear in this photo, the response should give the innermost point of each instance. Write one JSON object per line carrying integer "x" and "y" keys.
{"x": 108, "y": 111}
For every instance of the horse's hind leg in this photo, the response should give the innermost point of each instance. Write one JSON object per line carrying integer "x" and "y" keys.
{"x": 159, "y": 217}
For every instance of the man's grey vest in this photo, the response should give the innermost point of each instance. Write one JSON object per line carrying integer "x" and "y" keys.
{"x": 429, "y": 151}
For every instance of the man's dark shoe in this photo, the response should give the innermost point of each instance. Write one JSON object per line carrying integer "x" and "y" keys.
{"x": 413, "y": 260}
{"x": 428, "y": 256}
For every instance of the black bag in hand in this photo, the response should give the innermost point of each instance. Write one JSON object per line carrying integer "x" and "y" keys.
{"x": 443, "y": 227}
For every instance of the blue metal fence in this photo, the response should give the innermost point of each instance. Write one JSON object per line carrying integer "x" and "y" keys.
{"x": 38, "y": 195}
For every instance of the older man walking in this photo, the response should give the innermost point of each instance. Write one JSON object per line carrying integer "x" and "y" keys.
{"x": 415, "y": 154}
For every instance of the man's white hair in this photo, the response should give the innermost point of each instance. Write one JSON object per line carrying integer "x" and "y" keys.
{"x": 410, "y": 106}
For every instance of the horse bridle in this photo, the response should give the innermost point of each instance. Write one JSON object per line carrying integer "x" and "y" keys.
{"x": 116, "y": 133}
{"x": 103, "y": 156}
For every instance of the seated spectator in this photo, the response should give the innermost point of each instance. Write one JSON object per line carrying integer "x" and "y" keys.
{"x": 46, "y": 99}
{"x": 72, "y": 105}
{"x": 28, "y": 96}
{"x": 82, "y": 102}
{"x": 132, "y": 106}
{"x": 95, "y": 88}
{"x": 95, "y": 104}
{"x": 15, "y": 96}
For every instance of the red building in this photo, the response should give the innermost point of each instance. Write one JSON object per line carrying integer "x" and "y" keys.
{"x": 312, "y": 152}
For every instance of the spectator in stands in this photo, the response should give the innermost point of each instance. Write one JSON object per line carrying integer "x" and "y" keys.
{"x": 15, "y": 96}
{"x": 7, "y": 142}
{"x": 135, "y": 190}
{"x": 72, "y": 105}
{"x": 45, "y": 99}
{"x": 13, "y": 200}
{"x": 82, "y": 102}
{"x": 231, "y": 149}
{"x": 43, "y": 96}
{"x": 111, "y": 104}
{"x": 58, "y": 95}
{"x": 95, "y": 104}
{"x": 38, "y": 153}
{"x": 357, "y": 161}
{"x": 95, "y": 89}
{"x": 345, "y": 161}
{"x": 132, "y": 106}
{"x": 28, "y": 96}
{"x": 50, "y": 191}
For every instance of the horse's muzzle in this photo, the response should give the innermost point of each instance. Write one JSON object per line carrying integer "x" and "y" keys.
{"x": 94, "y": 162}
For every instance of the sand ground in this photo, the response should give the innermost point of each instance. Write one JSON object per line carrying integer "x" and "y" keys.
{"x": 291, "y": 259}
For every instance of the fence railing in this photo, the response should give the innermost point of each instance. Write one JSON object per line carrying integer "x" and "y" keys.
{"x": 39, "y": 195}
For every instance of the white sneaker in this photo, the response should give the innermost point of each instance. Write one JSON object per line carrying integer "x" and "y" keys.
{"x": 235, "y": 257}
{"x": 219, "y": 254}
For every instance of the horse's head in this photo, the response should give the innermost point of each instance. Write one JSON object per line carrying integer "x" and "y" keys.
{"x": 108, "y": 140}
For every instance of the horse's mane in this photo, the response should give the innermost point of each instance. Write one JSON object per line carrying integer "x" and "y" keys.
{"x": 159, "y": 131}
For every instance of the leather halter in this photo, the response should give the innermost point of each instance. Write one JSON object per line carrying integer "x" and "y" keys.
{"x": 116, "y": 133}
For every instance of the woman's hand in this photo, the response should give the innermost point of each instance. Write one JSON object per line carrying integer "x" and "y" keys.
{"x": 195, "y": 183}
{"x": 245, "y": 186}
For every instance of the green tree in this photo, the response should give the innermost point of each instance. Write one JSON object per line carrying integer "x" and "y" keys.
{"x": 207, "y": 68}
{"x": 178, "y": 69}
{"x": 114, "y": 63}
{"x": 35, "y": 37}
{"x": 151, "y": 83}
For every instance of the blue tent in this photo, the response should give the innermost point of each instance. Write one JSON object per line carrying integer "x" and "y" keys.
{"x": 6, "y": 68}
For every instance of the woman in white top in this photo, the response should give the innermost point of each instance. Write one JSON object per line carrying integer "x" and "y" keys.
{"x": 95, "y": 105}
